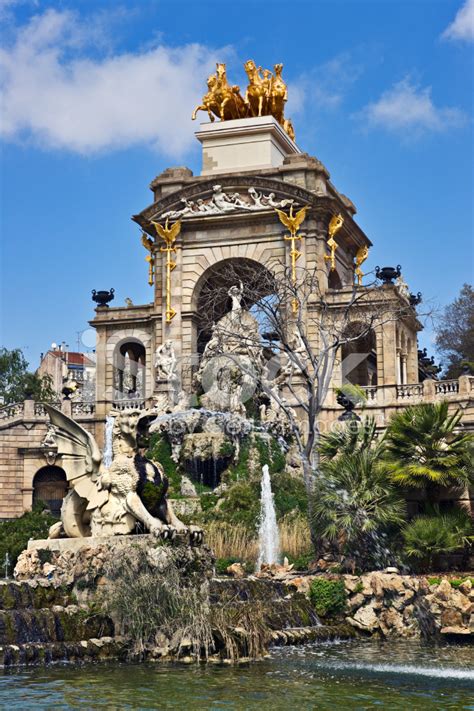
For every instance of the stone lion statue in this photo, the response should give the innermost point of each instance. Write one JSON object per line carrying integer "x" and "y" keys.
{"x": 105, "y": 501}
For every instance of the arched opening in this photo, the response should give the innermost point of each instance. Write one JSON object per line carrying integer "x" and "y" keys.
{"x": 334, "y": 280}
{"x": 129, "y": 370}
{"x": 50, "y": 487}
{"x": 211, "y": 298}
{"x": 359, "y": 356}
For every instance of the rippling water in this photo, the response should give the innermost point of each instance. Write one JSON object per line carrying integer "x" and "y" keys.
{"x": 345, "y": 675}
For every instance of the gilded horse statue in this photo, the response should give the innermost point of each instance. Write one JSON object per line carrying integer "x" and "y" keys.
{"x": 257, "y": 92}
{"x": 266, "y": 94}
{"x": 222, "y": 99}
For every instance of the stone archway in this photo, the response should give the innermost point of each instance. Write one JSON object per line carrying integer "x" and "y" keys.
{"x": 211, "y": 300}
{"x": 50, "y": 487}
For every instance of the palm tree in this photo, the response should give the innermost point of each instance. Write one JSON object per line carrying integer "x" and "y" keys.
{"x": 353, "y": 436}
{"x": 355, "y": 504}
{"x": 425, "y": 450}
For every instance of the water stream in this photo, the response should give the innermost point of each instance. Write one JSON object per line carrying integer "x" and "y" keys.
{"x": 268, "y": 536}
{"x": 108, "y": 452}
{"x": 351, "y": 675}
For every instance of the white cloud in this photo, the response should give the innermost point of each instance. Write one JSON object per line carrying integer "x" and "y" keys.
{"x": 407, "y": 107}
{"x": 53, "y": 93}
{"x": 326, "y": 85}
{"x": 462, "y": 27}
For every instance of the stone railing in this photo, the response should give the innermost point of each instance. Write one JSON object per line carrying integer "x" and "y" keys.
{"x": 409, "y": 392}
{"x": 129, "y": 404}
{"x": 446, "y": 387}
{"x": 30, "y": 410}
{"x": 82, "y": 408}
{"x": 414, "y": 393}
{"x": 9, "y": 412}
{"x": 40, "y": 410}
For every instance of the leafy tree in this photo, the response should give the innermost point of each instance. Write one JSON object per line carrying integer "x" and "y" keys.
{"x": 425, "y": 450}
{"x": 455, "y": 333}
{"x": 428, "y": 536}
{"x": 354, "y": 504}
{"x": 18, "y": 384}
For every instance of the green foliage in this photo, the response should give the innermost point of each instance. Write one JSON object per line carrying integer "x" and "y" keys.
{"x": 428, "y": 536}
{"x": 354, "y": 503}
{"x": 152, "y": 495}
{"x": 454, "y": 582}
{"x": 425, "y": 449}
{"x": 17, "y": 384}
{"x": 227, "y": 449}
{"x": 160, "y": 451}
{"x": 208, "y": 501}
{"x": 352, "y": 392}
{"x": 300, "y": 562}
{"x": 455, "y": 333}
{"x": 241, "y": 504}
{"x": 45, "y": 555}
{"x": 352, "y": 436}
{"x": 239, "y": 470}
{"x": 15, "y": 534}
{"x": 328, "y": 597}
{"x": 289, "y": 494}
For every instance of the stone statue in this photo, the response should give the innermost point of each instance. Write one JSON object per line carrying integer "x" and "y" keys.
{"x": 109, "y": 501}
{"x": 166, "y": 362}
{"x": 236, "y": 293}
{"x": 402, "y": 287}
{"x": 49, "y": 440}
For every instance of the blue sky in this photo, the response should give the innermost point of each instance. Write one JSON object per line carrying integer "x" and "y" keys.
{"x": 96, "y": 101}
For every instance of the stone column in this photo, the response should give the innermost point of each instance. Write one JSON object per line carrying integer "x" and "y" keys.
{"x": 399, "y": 370}
{"x": 404, "y": 368}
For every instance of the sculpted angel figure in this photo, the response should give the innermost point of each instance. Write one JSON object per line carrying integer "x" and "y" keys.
{"x": 236, "y": 292}
{"x": 112, "y": 501}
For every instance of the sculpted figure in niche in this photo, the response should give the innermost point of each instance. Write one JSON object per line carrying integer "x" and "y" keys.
{"x": 166, "y": 362}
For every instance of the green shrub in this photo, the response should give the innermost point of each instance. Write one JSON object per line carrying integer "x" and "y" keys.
{"x": 328, "y": 597}
{"x": 289, "y": 494}
{"x": 241, "y": 504}
{"x": 15, "y": 534}
{"x": 300, "y": 562}
{"x": 428, "y": 536}
{"x": 160, "y": 451}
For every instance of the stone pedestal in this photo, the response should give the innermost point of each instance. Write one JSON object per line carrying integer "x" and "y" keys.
{"x": 243, "y": 144}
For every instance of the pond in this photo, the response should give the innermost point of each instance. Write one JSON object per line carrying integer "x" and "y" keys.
{"x": 348, "y": 675}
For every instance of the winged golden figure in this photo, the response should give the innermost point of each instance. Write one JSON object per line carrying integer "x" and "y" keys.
{"x": 335, "y": 225}
{"x": 291, "y": 221}
{"x": 147, "y": 242}
{"x": 168, "y": 234}
{"x": 361, "y": 255}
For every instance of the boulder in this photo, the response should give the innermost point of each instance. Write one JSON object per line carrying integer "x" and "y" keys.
{"x": 187, "y": 487}
{"x": 236, "y": 570}
{"x": 365, "y": 619}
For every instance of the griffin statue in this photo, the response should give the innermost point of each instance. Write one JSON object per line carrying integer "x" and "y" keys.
{"x": 105, "y": 501}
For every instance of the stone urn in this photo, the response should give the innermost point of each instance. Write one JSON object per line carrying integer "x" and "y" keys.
{"x": 102, "y": 298}
{"x": 388, "y": 274}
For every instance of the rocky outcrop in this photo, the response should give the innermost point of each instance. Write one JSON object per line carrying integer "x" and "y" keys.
{"x": 389, "y": 605}
{"x": 84, "y": 562}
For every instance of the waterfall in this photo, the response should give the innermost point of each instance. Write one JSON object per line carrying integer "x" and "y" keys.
{"x": 108, "y": 452}
{"x": 268, "y": 537}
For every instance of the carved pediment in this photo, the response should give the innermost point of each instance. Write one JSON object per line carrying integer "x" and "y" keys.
{"x": 227, "y": 196}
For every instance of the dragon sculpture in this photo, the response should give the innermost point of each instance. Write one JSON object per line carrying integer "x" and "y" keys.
{"x": 105, "y": 501}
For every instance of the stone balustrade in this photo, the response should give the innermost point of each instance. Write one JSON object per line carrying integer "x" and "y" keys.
{"x": 31, "y": 410}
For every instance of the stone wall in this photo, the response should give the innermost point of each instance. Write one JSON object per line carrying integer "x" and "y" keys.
{"x": 390, "y": 605}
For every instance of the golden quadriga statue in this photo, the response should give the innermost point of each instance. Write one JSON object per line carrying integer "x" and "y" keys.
{"x": 266, "y": 95}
